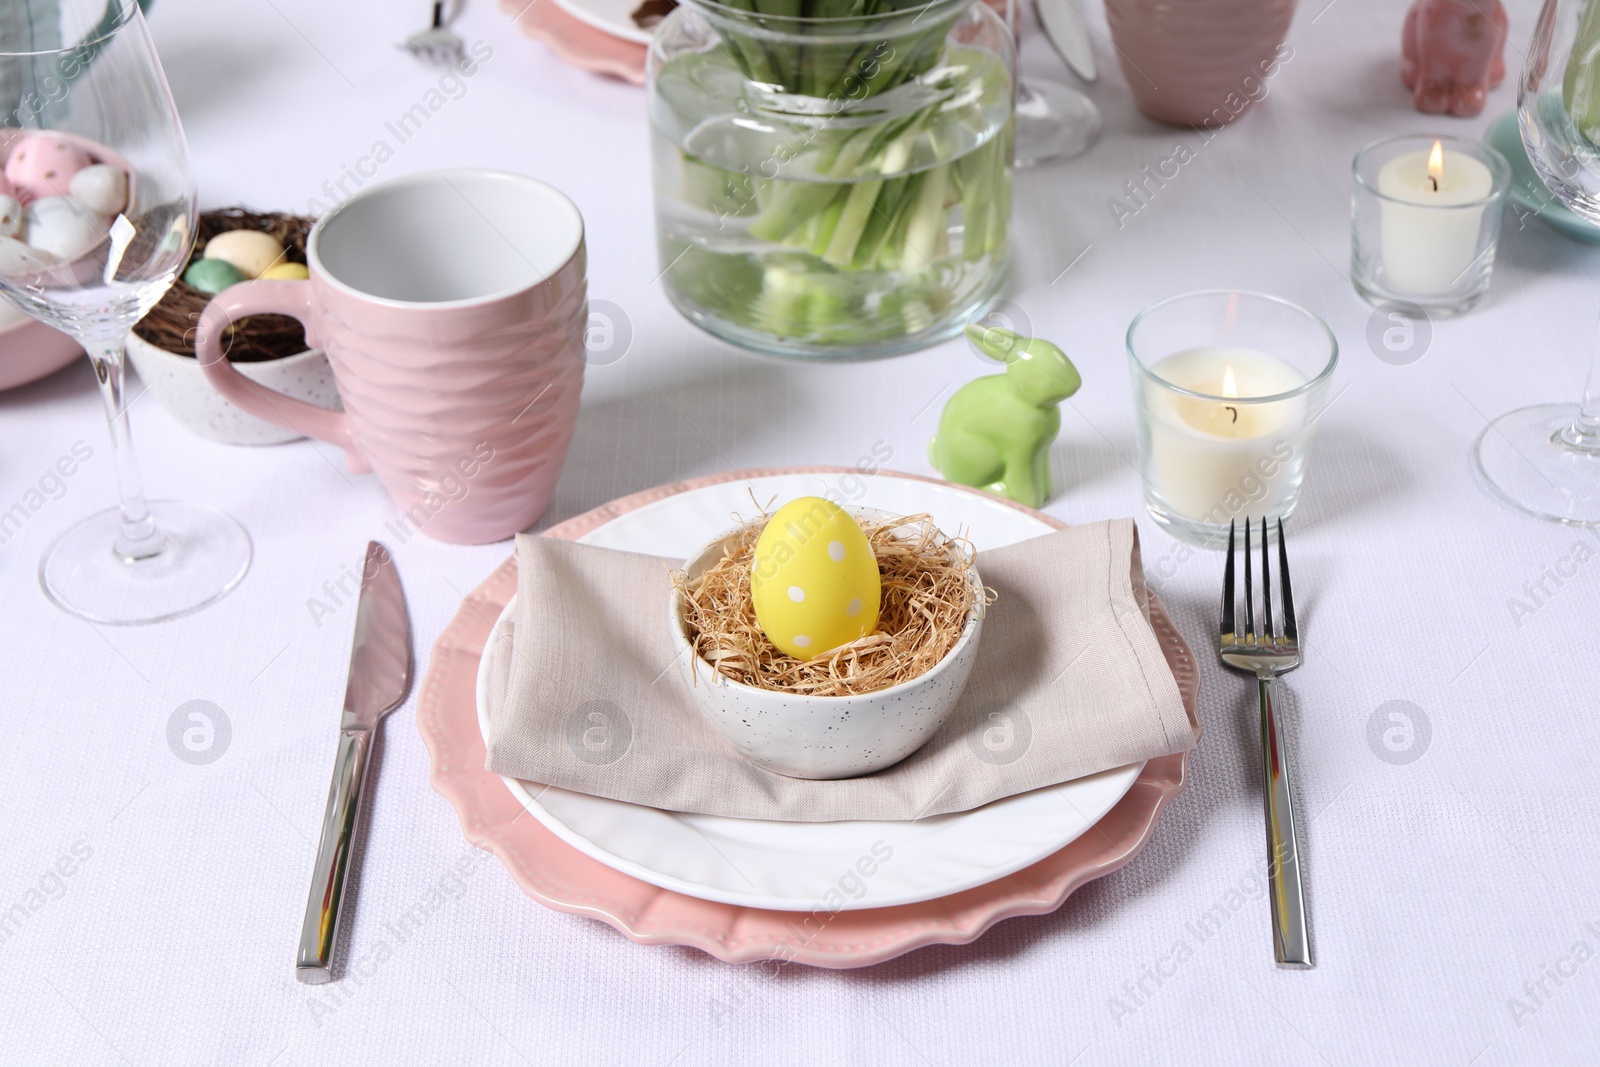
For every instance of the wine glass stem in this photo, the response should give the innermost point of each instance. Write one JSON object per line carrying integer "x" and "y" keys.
{"x": 1584, "y": 432}
{"x": 138, "y": 537}
{"x": 1025, "y": 95}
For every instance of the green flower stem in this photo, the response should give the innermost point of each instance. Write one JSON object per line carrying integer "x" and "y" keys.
{"x": 859, "y": 200}
{"x": 827, "y": 223}
{"x": 894, "y": 196}
{"x": 926, "y": 222}
{"x": 789, "y": 206}
{"x": 1580, "y": 88}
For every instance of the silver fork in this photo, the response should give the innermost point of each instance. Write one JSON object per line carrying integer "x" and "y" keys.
{"x": 438, "y": 43}
{"x": 1267, "y": 654}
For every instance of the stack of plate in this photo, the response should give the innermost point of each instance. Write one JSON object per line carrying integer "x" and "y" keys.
{"x": 830, "y": 894}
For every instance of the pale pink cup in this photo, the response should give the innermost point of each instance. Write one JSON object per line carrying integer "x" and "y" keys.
{"x": 452, "y": 309}
{"x": 1199, "y": 62}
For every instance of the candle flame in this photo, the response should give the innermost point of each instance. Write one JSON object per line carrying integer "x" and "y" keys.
{"x": 1230, "y": 386}
{"x": 1436, "y": 163}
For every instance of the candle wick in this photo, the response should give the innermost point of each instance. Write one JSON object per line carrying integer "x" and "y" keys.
{"x": 1435, "y": 182}
{"x": 1233, "y": 409}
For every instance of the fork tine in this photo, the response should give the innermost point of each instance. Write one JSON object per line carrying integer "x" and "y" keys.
{"x": 1289, "y": 630}
{"x": 1266, "y": 584}
{"x": 1249, "y": 594}
{"x": 1227, "y": 588}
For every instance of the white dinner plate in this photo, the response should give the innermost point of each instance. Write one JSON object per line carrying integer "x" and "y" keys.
{"x": 608, "y": 16}
{"x": 802, "y": 866}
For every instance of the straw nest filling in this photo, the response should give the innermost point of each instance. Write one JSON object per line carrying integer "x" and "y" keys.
{"x": 927, "y": 594}
{"x": 173, "y": 322}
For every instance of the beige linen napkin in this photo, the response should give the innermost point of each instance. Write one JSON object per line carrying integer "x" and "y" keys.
{"x": 583, "y": 692}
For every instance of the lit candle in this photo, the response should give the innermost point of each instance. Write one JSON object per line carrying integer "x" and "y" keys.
{"x": 1210, "y": 461}
{"x": 1430, "y": 236}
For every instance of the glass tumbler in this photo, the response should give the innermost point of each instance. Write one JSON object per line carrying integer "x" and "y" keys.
{"x": 1227, "y": 389}
{"x": 1425, "y": 221}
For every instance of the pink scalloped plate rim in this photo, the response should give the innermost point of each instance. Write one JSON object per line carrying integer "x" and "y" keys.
{"x": 576, "y": 42}
{"x": 560, "y": 877}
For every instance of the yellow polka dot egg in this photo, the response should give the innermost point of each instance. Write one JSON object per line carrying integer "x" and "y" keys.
{"x": 813, "y": 580}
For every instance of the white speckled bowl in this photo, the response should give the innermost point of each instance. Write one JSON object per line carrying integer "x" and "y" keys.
{"x": 825, "y": 737}
{"x": 181, "y": 387}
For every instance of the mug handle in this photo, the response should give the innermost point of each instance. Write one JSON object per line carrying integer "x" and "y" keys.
{"x": 292, "y": 298}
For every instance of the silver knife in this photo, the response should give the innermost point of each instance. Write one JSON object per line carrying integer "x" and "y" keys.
{"x": 1067, "y": 29}
{"x": 380, "y": 673}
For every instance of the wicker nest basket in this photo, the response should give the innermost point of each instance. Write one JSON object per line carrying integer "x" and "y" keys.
{"x": 171, "y": 324}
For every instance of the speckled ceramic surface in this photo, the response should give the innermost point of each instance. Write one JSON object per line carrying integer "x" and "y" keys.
{"x": 181, "y": 388}
{"x": 824, "y": 737}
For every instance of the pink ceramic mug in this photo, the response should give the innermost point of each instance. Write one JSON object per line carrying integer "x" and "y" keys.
{"x": 1199, "y": 63}
{"x": 452, "y": 309}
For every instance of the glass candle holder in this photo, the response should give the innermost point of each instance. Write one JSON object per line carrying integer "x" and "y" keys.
{"x": 1425, "y": 221}
{"x": 1227, "y": 389}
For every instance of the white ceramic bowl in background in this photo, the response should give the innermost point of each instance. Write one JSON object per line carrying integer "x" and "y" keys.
{"x": 818, "y": 736}
{"x": 181, "y": 387}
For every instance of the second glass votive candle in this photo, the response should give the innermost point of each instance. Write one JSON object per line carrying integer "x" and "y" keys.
{"x": 1227, "y": 388}
{"x": 1425, "y": 221}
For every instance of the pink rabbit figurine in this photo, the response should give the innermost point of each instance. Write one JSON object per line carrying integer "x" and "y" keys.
{"x": 1451, "y": 54}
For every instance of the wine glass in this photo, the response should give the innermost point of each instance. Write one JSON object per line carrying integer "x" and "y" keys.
{"x": 81, "y": 90}
{"x": 1545, "y": 459}
{"x": 1053, "y": 121}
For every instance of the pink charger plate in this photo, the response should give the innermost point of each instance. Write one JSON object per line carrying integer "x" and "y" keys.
{"x": 576, "y": 42}
{"x": 560, "y": 877}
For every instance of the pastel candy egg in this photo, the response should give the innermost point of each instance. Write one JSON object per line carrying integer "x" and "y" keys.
{"x": 65, "y": 230}
{"x": 211, "y": 276}
{"x": 43, "y": 165}
{"x": 814, "y": 580}
{"x": 252, "y": 251}
{"x": 10, "y": 215}
{"x": 55, "y": 205}
{"x": 18, "y": 258}
{"x": 100, "y": 188}
{"x": 286, "y": 272}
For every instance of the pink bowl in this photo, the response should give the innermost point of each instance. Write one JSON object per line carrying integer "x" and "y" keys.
{"x": 30, "y": 350}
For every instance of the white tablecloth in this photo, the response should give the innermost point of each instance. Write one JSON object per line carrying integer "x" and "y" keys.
{"x": 1453, "y": 896}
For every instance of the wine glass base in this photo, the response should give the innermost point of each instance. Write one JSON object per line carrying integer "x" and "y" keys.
{"x": 1053, "y": 122}
{"x": 207, "y": 554}
{"x": 1523, "y": 461}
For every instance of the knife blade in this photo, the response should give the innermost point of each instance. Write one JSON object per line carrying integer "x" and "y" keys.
{"x": 380, "y": 674}
{"x": 1068, "y": 30}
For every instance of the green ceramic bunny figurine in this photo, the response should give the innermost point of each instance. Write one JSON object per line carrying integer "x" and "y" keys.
{"x": 995, "y": 433}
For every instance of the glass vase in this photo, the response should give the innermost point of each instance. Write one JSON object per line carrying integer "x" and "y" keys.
{"x": 832, "y": 188}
